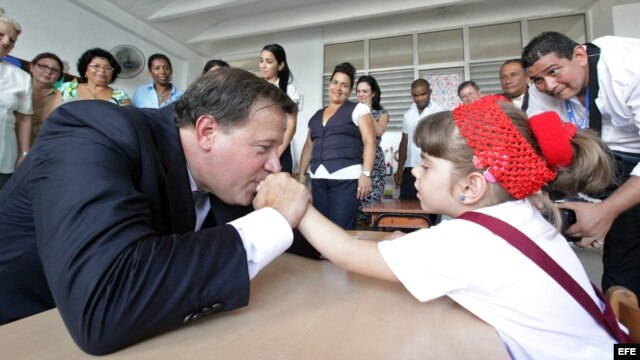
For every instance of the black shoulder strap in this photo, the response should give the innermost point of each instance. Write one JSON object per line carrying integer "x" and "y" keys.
{"x": 595, "y": 117}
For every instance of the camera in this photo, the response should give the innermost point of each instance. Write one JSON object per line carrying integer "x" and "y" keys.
{"x": 568, "y": 217}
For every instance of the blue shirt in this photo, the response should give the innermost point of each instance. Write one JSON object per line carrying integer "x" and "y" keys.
{"x": 147, "y": 97}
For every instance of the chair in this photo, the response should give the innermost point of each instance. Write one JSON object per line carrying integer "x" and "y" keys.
{"x": 624, "y": 304}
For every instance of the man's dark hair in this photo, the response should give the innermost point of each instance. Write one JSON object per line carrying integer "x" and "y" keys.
{"x": 228, "y": 94}
{"x": 420, "y": 83}
{"x": 158, "y": 56}
{"x": 212, "y": 63}
{"x": 546, "y": 43}
{"x": 514, "y": 61}
{"x": 468, "y": 83}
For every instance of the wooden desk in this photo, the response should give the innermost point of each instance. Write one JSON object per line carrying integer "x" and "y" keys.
{"x": 396, "y": 213}
{"x": 299, "y": 309}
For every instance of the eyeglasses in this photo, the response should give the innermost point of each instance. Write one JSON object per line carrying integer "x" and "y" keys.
{"x": 48, "y": 68}
{"x": 97, "y": 67}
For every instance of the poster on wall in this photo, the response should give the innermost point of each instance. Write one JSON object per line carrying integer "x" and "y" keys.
{"x": 444, "y": 88}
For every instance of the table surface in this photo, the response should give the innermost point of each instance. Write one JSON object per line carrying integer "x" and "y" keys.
{"x": 395, "y": 206}
{"x": 299, "y": 309}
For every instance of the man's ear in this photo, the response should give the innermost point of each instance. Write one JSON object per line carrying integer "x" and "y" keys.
{"x": 580, "y": 56}
{"x": 474, "y": 187}
{"x": 206, "y": 127}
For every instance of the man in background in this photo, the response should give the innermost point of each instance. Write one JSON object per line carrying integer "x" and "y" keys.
{"x": 408, "y": 152}
{"x": 469, "y": 92}
{"x": 515, "y": 82}
{"x": 595, "y": 86}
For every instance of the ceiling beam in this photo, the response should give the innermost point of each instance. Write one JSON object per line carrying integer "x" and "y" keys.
{"x": 315, "y": 15}
{"x": 182, "y": 8}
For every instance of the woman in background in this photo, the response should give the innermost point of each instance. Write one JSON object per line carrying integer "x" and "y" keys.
{"x": 341, "y": 149}
{"x": 46, "y": 70}
{"x": 15, "y": 103}
{"x": 274, "y": 69}
{"x": 160, "y": 91}
{"x": 97, "y": 69}
{"x": 368, "y": 93}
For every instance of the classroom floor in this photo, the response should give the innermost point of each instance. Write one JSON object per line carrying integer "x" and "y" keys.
{"x": 592, "y": 261}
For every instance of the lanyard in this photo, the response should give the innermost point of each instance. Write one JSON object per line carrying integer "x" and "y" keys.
{"x": 572, "y": 116}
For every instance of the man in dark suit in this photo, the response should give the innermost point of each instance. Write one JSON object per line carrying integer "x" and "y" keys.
{"x": 515, "y": 82}
{"x": 100, "y": 220}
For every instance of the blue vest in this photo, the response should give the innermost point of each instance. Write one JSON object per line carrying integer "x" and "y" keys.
{"x": 338, "y": 144}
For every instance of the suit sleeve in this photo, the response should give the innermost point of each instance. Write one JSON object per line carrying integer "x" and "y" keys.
{"x": 115, "y": 281}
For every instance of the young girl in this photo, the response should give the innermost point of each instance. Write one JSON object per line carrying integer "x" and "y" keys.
{"x": 484, "y": 157}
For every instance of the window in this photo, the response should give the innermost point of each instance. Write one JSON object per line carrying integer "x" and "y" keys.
{"x": 352, "y": 52}
{"x": 445, "y": 58}
{"x": 495, "y": 41}
{"x": 573, "y": 26}
{"x": 441, "y": 46}
{"x": 251, "y": 64}
{"x": 391, "y": 52}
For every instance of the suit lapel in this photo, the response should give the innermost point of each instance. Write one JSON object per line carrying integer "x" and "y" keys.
{"x": 176, "y": 179}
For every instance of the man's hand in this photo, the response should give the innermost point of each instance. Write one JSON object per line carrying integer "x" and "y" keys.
{"x": 284, "y": 194}
{"x": 593, "y": 221}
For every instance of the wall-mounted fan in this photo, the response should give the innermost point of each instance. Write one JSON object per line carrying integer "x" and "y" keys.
{"x": 130, "y": 58}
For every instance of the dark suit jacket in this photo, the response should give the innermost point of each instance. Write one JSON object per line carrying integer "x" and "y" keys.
{"x": 99, "y": 221}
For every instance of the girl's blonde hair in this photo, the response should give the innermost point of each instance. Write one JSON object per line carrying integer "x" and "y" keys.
{"x": 591, "y": 171}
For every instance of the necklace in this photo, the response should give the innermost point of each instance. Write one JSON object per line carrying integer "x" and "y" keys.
{"x": 162, "y": 97}
{"x": 95, "y": 95}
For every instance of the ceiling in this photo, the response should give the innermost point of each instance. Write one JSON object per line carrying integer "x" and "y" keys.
{"x": 205, "y": 26}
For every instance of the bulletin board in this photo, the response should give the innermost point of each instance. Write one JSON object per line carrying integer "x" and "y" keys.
{"x": 444, "y": 87}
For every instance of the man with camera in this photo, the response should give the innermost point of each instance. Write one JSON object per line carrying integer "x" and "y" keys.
{"x": 595, "y": 86}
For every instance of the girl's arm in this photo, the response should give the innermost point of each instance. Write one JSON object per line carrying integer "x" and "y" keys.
{"x": 381, "y": 125}
{"x": 342, "y": 249}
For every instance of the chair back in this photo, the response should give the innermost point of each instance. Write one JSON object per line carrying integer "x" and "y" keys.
{"x": 625, "y": 305}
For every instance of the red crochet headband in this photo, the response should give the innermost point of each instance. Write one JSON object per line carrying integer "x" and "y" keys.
{"x": 505, "y": 154}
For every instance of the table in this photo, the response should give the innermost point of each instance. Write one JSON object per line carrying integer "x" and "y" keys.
{"x": 299, "y": 309}
{"x": 397, "y": 213}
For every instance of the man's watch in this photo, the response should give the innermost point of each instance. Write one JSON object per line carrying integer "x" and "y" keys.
{"x": 366, "y": 173}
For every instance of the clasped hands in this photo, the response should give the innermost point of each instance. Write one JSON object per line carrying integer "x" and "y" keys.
{"x": 284, "y": 194}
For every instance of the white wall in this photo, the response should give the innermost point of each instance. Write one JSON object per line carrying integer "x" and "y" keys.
{"x": 625, "y": 20}
{"x": 68, "y": 30}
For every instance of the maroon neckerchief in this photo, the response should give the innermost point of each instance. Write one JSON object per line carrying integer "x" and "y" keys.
{"x": 530, "y": 249}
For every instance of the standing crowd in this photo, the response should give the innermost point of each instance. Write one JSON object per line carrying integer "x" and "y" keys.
{"x": 136, "y": 220}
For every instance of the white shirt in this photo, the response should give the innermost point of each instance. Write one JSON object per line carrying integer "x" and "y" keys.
{"x": 15, "y": 96}
{"x": 618, "y": 98}
{"x": 292, "y": 92}
{"x": 517, "y": 102}
{"x": 409, "y": 123}
{"x": 534, "y": 316}
{"x": 350, "y": 172}
{"x": 261, "y": 246}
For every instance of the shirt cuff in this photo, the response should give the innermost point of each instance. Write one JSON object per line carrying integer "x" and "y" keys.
{"x": 265, "y": 235}
{"x": 636, "y": 170}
